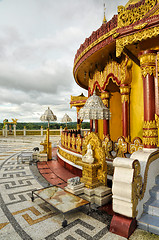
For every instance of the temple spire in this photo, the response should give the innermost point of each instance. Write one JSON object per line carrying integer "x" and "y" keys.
{"x": 104, "y": 19}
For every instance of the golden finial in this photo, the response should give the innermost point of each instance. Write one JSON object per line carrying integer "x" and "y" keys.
{"x": 104, "y": 19}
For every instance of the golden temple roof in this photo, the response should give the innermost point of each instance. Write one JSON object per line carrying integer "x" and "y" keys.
{"x": 131, "y": 2}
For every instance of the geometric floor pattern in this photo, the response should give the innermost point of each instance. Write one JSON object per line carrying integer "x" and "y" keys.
{"x": 20, "y": 218}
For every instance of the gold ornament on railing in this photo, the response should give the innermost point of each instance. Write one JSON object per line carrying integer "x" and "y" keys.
{"x": 121, "y": 147}
{"x": 69, "y": 141}
{"x": 79, "y": 143}
{"x": 107, "y": 144}
{"x": 73, "y": 142}
{"x": 135, "y": 145}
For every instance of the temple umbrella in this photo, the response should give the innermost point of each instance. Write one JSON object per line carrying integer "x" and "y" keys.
{"x": 48, "y": 116}
{"x": 94, "y": 109}
{"x": 66, "y": 119}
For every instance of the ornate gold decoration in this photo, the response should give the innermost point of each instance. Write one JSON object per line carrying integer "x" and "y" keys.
{"x": 150, "y": 133}
{"x": 115, "y": 35}
{"x": 62, "y": 139}
{"x": 121, "y": 147}
{"x": 136, "y": 187}
{"x": 133, "y": 38}
{"x": 78, "y": 101}
{"x": 105, "y": 98}
{"x": 69, "y": 156}
{"x": 79, "y": 143}
{"x": 148, "y": 70}
{"x": 141, "y": 26}
{"x": 148, "y": 64}
{"x": 125, "y": 93}
{"x": 73, "y": 142}
{"x": 94, "y": 174}
{"x": 66, "y": 140}
{"x": 69, "y": 141}
{"x": 103, "y": 37}
{"x": 14, "y": 121}
{"x": 135, "y": 145}
{"x": 130, "y": 16}
{"x": 118, "y": 73}
{"x": 107, "y": 144}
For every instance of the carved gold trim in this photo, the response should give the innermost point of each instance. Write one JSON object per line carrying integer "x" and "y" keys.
{"x": 150, "y": 133}
{"x": 107, "y": 144}
{"x": 125, "y": 90}
{"x": 120, "y": 72}
{"x": 148, "y": 64}
{"x": 130, "y": 16}
{"x": 141, "y": 26}
{"x": 78, "y": 143}
{"x": 121, "y": 147}
{"x": 135, "y": 145}
{"x": 149, "y": 124}
{"x": 148, "y": 70}
{"x": 94, "y": 44}
{"x": 136, "y": 187}
{"x": 133, "y": 38}
{"x": 69, "y": 156}
{"x": 124, "y": 98}
{"x": 105, "y": 98}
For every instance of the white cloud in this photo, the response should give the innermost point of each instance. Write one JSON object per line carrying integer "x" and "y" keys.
{"x": 38, "y": 42}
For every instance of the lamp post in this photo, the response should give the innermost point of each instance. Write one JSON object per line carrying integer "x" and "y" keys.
{"x": 48, "y": 116}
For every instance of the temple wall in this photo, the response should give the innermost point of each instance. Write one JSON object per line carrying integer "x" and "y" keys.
{"x": 116, "y": 116}
{"x": 136, "y": 103}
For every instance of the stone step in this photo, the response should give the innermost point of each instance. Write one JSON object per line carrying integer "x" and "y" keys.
{"x": 157, "y": 180}
{"x": 152, "y": 207}
{"x": 154, "y": 192}
{"x": 149, "y": 223}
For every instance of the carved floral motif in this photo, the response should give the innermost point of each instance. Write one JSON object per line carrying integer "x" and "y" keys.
{"x": 135, "y": 145}
{"x": 134, "y": 38}
{"x": 121, "y": 147}
{"x": 128, "y": 16}
{"x": 150, "y": 133}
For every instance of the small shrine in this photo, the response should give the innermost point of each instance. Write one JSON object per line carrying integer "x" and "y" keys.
{"x": 9, "y": 128}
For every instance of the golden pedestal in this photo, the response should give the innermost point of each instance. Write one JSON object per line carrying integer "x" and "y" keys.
{"x": 89, "y": 174}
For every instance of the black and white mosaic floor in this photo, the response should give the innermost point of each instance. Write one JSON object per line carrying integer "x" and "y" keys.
{"x": 20, "y": 218}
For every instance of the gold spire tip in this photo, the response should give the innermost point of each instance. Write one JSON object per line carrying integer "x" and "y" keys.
{"x": 104, "y": 19}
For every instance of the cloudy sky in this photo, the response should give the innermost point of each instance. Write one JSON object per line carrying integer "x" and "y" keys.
{"x": 38, "y": 42}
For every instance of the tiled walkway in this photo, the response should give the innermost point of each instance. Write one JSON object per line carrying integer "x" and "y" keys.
{"x": 20, "y": 218}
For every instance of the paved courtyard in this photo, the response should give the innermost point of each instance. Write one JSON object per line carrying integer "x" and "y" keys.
{"x": 20, "y": 218}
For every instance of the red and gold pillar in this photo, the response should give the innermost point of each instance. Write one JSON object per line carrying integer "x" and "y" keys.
{"x": 125, "y": 90}
{"x": 148, "y": 69}
{"x": 105, "y": 98}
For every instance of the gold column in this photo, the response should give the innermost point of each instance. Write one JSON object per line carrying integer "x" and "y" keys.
{"x": 125, "y": 90}
{"x": 105, "y": 98}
